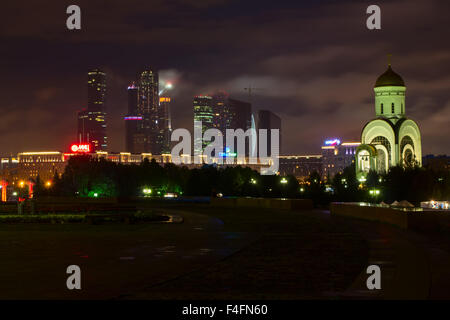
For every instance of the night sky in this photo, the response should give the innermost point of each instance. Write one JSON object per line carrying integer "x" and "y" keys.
{"x": 315, "y": 61}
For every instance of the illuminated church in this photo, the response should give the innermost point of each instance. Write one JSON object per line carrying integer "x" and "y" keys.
{"x": 391, "y": 139}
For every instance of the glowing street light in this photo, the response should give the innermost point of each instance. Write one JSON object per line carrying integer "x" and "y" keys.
{"x": 147, "y": 191}
{"x": 284, "y": 180}
{"x": 253, "y": 181}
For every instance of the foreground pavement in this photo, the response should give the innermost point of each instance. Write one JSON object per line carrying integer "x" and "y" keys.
{"x": 223, "y": 254}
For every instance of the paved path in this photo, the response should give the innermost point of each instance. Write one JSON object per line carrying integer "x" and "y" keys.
{"x": 413, "y": 266}
{"x": 223, "y": 254}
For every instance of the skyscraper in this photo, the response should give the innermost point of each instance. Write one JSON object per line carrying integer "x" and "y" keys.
{"x": 148, "y": 108}
{"x": 240, "y": 115}
{"x": 92, "y": 121}
{"x": 269, "y": 120}
{"x": 134, "y": 139}
{"x": 203, "y": 111}
{"x": 165, "y": 123}
{"x": 221, "y": 111}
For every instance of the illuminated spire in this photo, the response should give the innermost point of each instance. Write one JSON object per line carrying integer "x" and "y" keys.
{"x": 389, "y": 55}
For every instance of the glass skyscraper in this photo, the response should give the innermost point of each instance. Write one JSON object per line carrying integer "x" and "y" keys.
{"x": 203, "y": 111}
{"x": 148, "y": 108}
{"x": 92, "y": 121}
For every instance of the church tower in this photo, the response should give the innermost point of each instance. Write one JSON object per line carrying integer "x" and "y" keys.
{"x": 390, "y": 96}
{"x": 391, "y": 139}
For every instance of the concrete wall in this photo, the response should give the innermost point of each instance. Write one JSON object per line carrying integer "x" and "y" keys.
{"x": 380, "y": 214}
{"x": 268, "y": 203}
{"x": 424, "y": 221}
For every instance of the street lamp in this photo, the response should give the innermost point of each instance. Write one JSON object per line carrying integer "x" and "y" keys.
{"x": 374, "y": 193}
{"x": 284, "y": 180}
{"x": 147, "y": 191}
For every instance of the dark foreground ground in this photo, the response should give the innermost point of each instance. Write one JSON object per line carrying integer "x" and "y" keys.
{"x": 223, "y": 254}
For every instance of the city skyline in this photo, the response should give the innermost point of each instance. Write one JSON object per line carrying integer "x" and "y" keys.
{"x": 224, "y": 158}
{"x": 322, "y": 86}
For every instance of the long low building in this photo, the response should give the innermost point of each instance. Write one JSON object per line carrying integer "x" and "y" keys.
{"x": 45, "y": 164}
{"x": 300, "y": 166}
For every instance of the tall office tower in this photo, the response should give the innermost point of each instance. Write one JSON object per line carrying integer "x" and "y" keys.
{"x": 221, "y": 110}
{"x": 240, "y": 117}
{"x": 134, "y": 138}
{"x": 203, "y": 111}
{"x": 148, "y": 107}
{"x": 165, "y": 123}
{"x": 240, "y": 113}
{"x": 269, "y": 120}
{"x": 92, "y": 121}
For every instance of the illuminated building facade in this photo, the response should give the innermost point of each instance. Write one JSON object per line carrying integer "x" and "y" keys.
{"x": 148, "y": 108}
{"x": 336, "y": 156}
{"x": 92, "y": 121}
{"x": 221, "y": 111}
{"x": 300, "y": 166}
{"x": 43, "y": 164}
{"x": 8, "y": 163}
{"x": 391, "y": 139}
{"x": 46, "y": 164}
{"x": 437, "y": 163}
{"x": 134, "y": 139}
{"x": 203, "y": 111}
{"x": 165, "y": 124}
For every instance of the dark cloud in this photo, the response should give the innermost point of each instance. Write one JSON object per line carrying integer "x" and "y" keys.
{"x": 315, "y": 61}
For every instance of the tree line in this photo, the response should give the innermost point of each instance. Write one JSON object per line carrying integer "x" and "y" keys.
{"x": 88, "y": 177}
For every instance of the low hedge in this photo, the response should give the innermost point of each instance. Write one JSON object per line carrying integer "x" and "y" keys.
{"x": 44, "y": 218}
{"x": 83, "y": 218}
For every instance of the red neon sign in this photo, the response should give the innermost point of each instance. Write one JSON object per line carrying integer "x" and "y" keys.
{"x": 80, "y": 148}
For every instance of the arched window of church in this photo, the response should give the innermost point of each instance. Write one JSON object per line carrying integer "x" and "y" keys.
{"x": 381, "y": 108}
{"x": 393, "y": 109}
